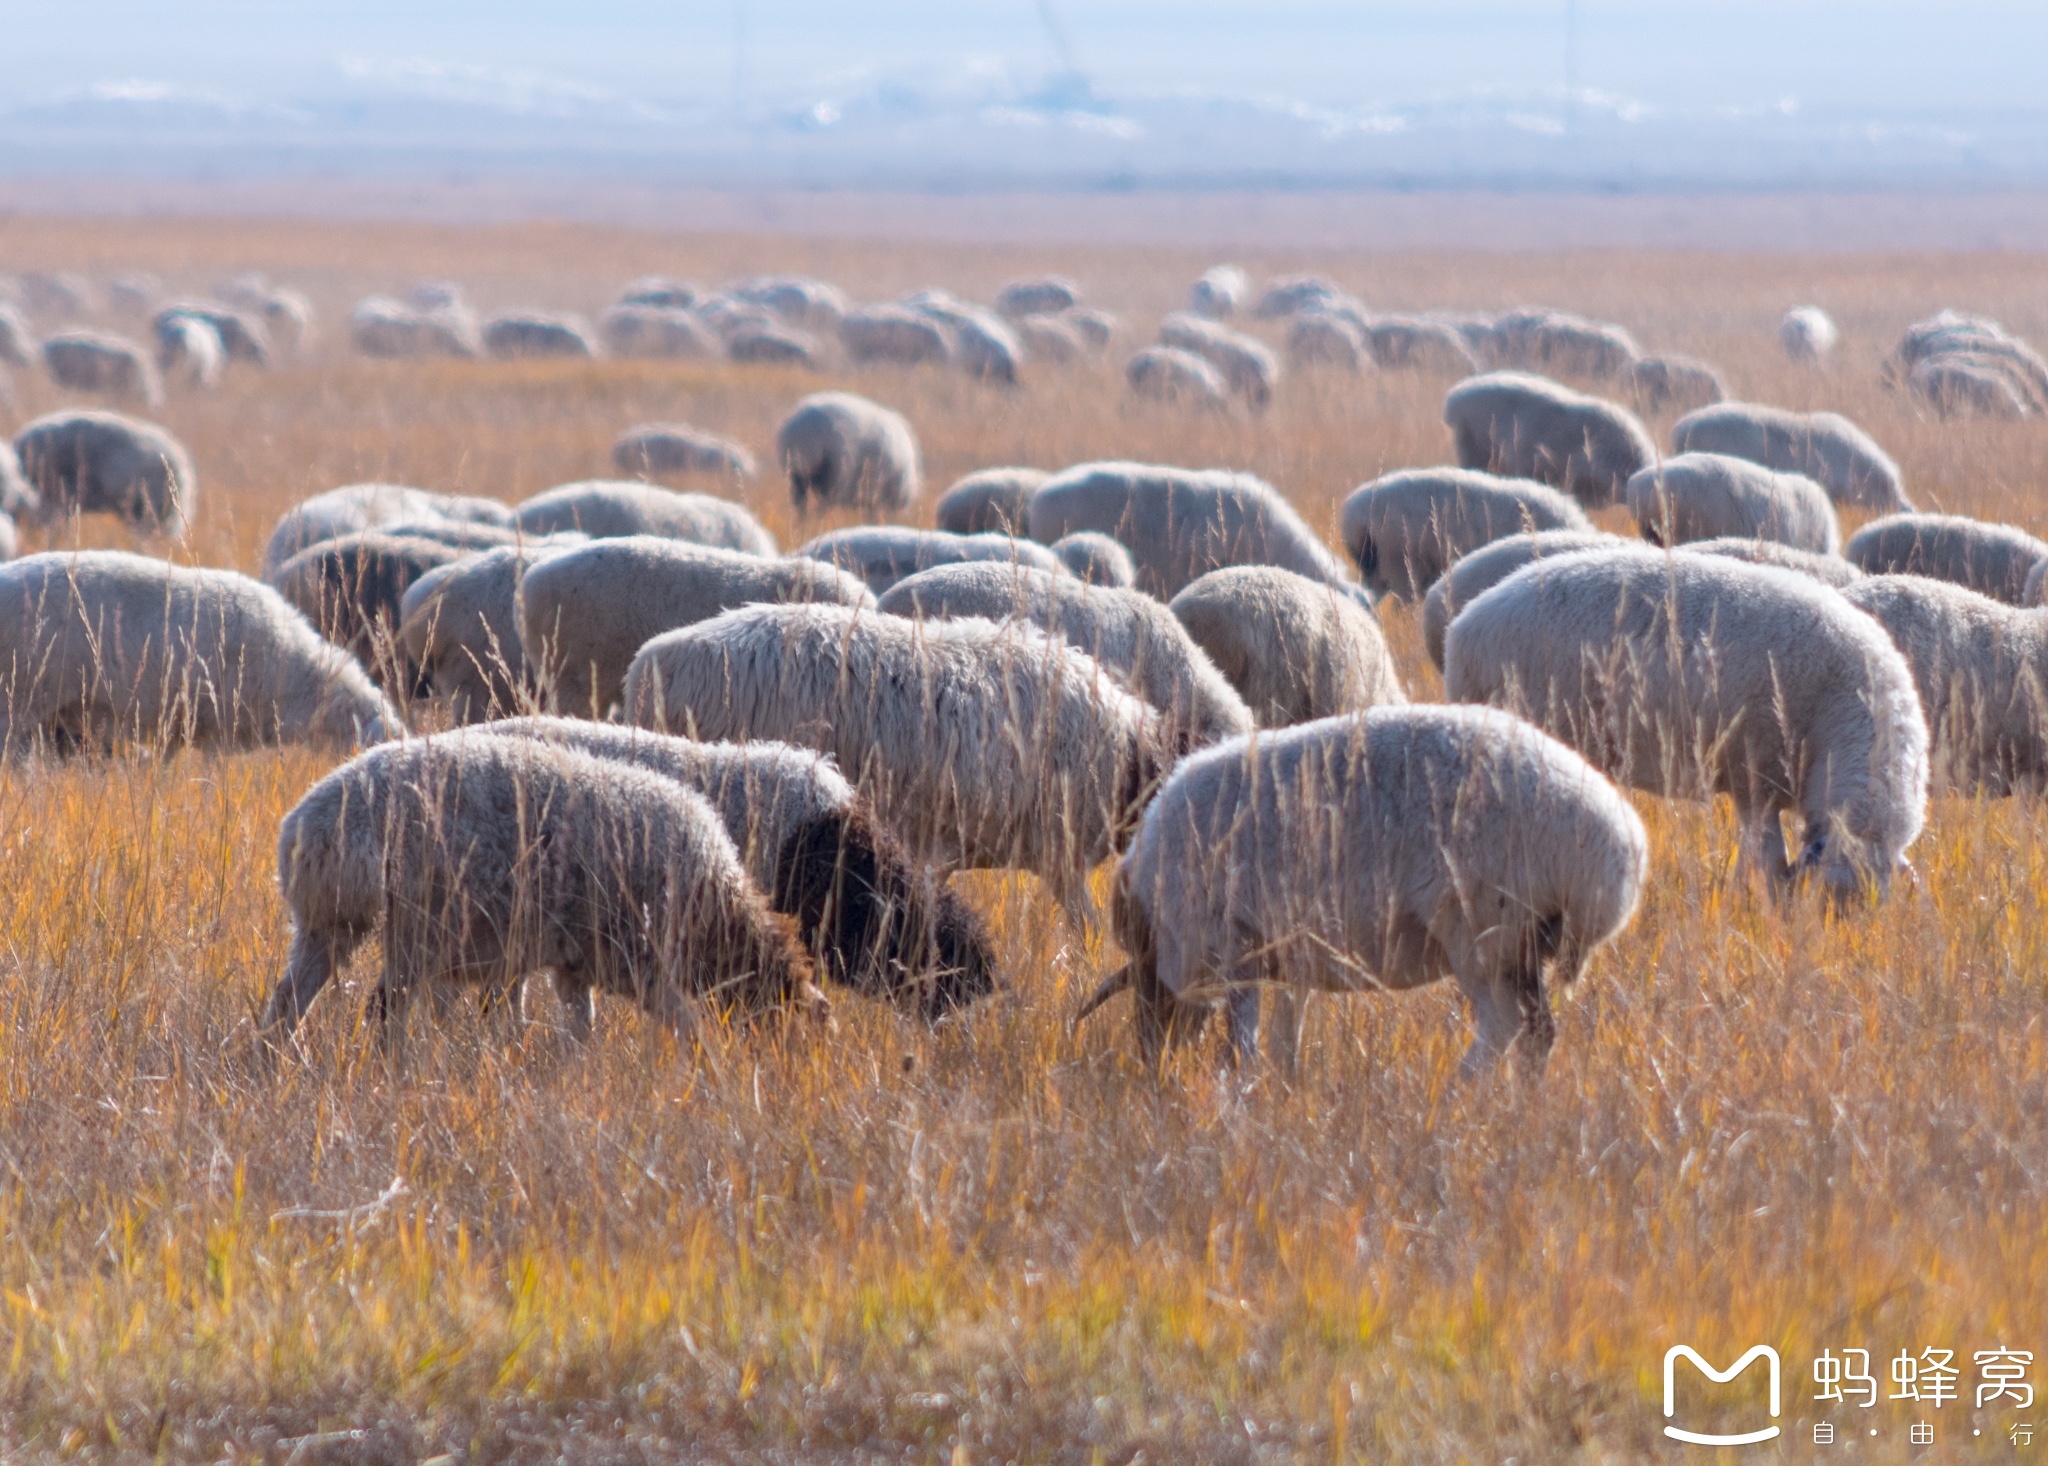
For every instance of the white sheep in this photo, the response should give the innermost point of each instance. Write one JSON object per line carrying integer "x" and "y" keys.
{"x": 882, "y": 554}
{"x": 1981, "y": 667}
{"x": 1689, "y": 675}
{"x": 1179, "y": 523}
{"x": 1671, "y": 383}
{"x": 657, "y": 333}
{"x": 104, "y": 463}
{"x": 989, "y": 500}
{"x": 1295, "y": 649}
{"x": 1319, "y": 339}
{"x": 1124, "y": 630}
{"x": 17, "y": 337}
{"x": 1405, "y": 529}
{"x": 1052, "y": 340}
{"x": 1960, "y": 385}
{"x": 1807, "y": 335}
{"x": 608, "y": 510}
{"x": 1825, "y": 446}
{"x": 1249, "y": 368}
{"x": 983, "y": 344}
{"x": 458, "y": 628}
{"x": 800, "y": 300}
{"x": 773, "y": 346}
{"x": 1046, "y": 295}
{"x": 1219, "y": 292}
{"x": 1382, "y": 851}
{"x": 1971, "y": 362}
{"x": 352, "y": 587}
{"x": 1997, "y": 560}
{"x": 1294, "y": 294}
{"x": 895, "y": 335}
{"x": 189, "y": 350}
{"x": 1096, "y": 328}
{"x": 662, "y": 448}
{"x": 1710, "y": 496}
{"x": 93, "y": 361}
{"x": 871, "y": 917}
{"x": 1829, "y": 570}
{"x": 387, "y": 329}
{"x": 583, "y": 614}
{"x": 518, "y": 335}
{"x": 17, "y": 499}
{"x": 102, "y": 647}
{"x": 843, "y": 451}
{"x": 242, "y": 337}
{"x": 1525, "y": 426}
{"x": 488, "y": 859}
{"x": 355, "y": 508}
{"x": 1418, "y": 344}
{"x": 1486, "y": 567}
{"x": 985, "y": 745}
{"x": 1178, "y": 378}
{"x": 1095, "y": 559}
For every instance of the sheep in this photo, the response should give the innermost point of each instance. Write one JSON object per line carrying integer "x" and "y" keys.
{"x": 1807, "y": 335}
{"x": 1708, "y": 496}
{"x": 1829, "y": 570}
{"x": 1405, "y": 529}
{"x": 896, "y": 335}
{"x": 609, "y": 510}
{"x": 1293, "y": 295}
{"x": 1294, "y": 648}
{"x": 1218, "y": 293}
{"x": 870, "y": 917}
{"x": 659, "y": 448}
{"x": 103, "y": 463}
{"x": 1574, "y": 347}
{"x": 989, "y": 500}
{"x": 189, "y": 350}
{"x": 773, "y": 346}
{"x": 1095, "y": 559}
{"x": 487, "y": 859}
{"x": 980, "y": 342}
{"x": 287, "y": 316}
{"x": 1178, "y": 378}
{"x": 132, "y": 292}
{"x": 1052, "y": 340}
{"x": 241, "y": 338}
{"x": 983, "y": 745}
{"x": 517, "y": 335}
{"x": 843, "y": 451}
{"x": 1825, "y": 446}
{"x": 726, "y": 317}
{"x": 1095, "y": 327}
{"x": 1673, "y": 383}
{"x": 660, "y": 292}
{"x": 1249, "y": 368}
{"x": 387, "y": 329}
{"x": 582, "y": 614}
{"x": 355, "y": 508}
{"x": 17, "y": 499}
{"x": 882, "y": 554}
{"x": 1317, "y": 339}
{"x": 1690, "y": 675}
{"x": 657, "y": 333}
{"x": 63, "y": 293}
{"x": 1996, "y": 560}
{"x": 1418, "y": 344}
{"x": 17, "y": 337}
{"x": 1958, "y": 385}
{"x": 436, "y": 295}
{"x": 1179, "y": 523}
{"x": 1527, "y": 426}
{"x": 93, "y": 361}
{"x": 1486, "y": 567}
{"x": 1046, "y": 296}
{"x": 811, "y": 305}
{"x": 1381, "y": 851}
{"x": 459, "y": 627}
{"x": 1963, "y": 363}
{"x": 351, "y": 587}
{"x": 104, "y": 646}
{"x": 1124, "y": 630}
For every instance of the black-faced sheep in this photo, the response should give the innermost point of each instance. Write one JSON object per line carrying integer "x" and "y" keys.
{"x": 1405, "y": 529}
{"x": 103, "y": 463}
{"x": 1525, "y": 426}
{"x": 843, "y": 451}
{"x": 1825, "y": 446}
{"x": 1710, "y": 496}
{"x": 1295, "y": 649}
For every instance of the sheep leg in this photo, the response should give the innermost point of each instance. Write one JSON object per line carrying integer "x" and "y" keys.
{"x": 1241, "y": 1015}
{"x": 1763, "y": 849}
{"x": 578, "y": 999}
{"x": 316, "y": 953}
{"x": 1497, "y": 1014}
{"x": 1283, "y": 1032}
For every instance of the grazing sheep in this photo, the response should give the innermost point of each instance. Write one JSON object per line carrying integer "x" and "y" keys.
{"x": 1317, "y": 339}
{"x": 981, "y": 343}
{"x": 103, "y": 646}
{"x": 516, "y": 335}
{"x": 189, "y": 349}
{"x": 1295, "y": 294}
{"x": 583, "y": 614}
{"x": 984, "y": 745}
{"x": 1418, "y": 344}
{"x": 1690, "y": 675}
{"x": 1996, "y": 560}
{"x": 1969, "y": 386}
{"x": 351, "y": 588}
{"x": 241, "y": 338}
{"x": 17, "y": 499}
{"x": 882, "y": 554}
{"x": 660, "y": 292}
{"x": 132, "y": 293}
{"x": 608, "y": 510}
{"x": 1405, "y": 529}
{"x": 63, "y": 293}
{"x": 103, "y": 463}
{"x": 871, "y": 918}
{"x": 17, "y": 337}
{"x": 436, "y": 295}
{"x": 1384, "y": 851}
{"x": 989, "y": 501}
{"x": 1710, "y": 496}
{"x": 1095, "y": 559}
{"x": 93, "y": 361}
{"x": 812, "y": 305}
{"x": 1525, "y": 426}
{"x": 1981, "y": 667}
{"x": 387, "y": 329}
{"x": 897, "y": 335}
{"x": 1179, "y": 523}
{"x": 843, "y": 451}
{"x": 1962, "y": 364}
{"x": 1124, "y": 630}
{"x": 458, "y": 627}
{"x": 1095, "y": 327}
{"x": 1045, "y": 296}
{"x": 1294, "y": 648}
{"x": 488, "y": 859}
{"x": 1249, "y": 368}
{"x": 1219, "y": 293}
{"x": 727, "y": 317}
{"x": 773, "y": 346}
{"x": 1806, "y": 334}
{"x": 1574, "y": 347}
{"x": 1673, "y": 383}
{"x": 287, "y": 317}
{"x": 1486, "y": 567}
{"x": 1179, "y": 378}
{"x": 1052, "y": 340}
{"x": 660, "y": 448}
{"x": 1825, "y": 446}
{"x": 657, "y": 333}
{"x": 1829, "y": 570}
{"x": 356, "y": 508}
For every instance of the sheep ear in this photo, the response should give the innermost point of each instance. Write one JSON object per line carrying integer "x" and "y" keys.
{"x": 1115, "y": 983}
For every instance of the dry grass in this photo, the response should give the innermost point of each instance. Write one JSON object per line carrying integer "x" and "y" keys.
{"x": 995, "y": 1241}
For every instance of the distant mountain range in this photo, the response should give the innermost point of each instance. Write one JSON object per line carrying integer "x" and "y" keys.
{"x": 965, "y": 130}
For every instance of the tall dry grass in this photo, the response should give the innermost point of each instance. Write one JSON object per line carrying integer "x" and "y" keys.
{"x": 995, "y": 1240}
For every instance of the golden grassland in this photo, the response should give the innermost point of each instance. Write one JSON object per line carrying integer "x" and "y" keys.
{"x": 996, "y": 1240}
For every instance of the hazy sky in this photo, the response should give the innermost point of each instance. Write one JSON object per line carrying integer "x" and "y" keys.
{"x": 1879, "y": 54}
